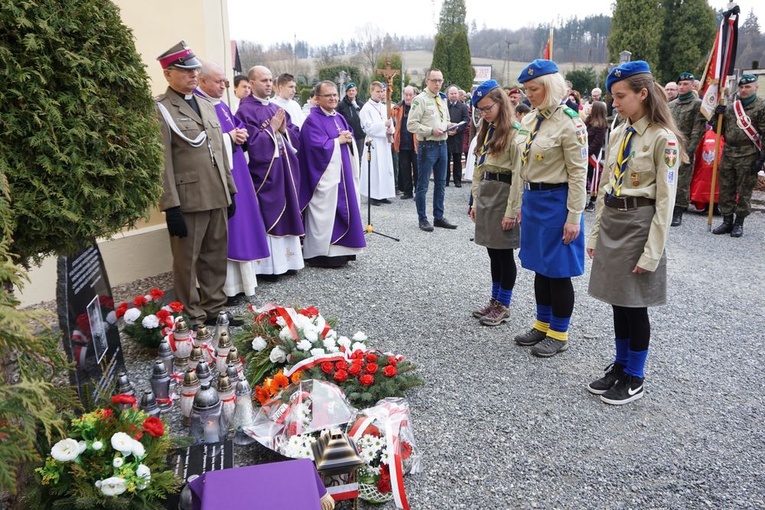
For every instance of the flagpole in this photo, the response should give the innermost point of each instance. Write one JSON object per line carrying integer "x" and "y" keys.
{"x": 552, "y": 32}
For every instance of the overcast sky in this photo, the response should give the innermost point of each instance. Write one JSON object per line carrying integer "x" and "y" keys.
{"x": 318, "y": 24}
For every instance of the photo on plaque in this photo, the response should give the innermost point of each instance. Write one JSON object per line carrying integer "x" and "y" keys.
{"x": 97, "y": 331}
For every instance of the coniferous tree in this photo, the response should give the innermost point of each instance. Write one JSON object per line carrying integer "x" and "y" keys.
{"x": 452, "y": 50}
{"x": 689, "y": 32}
{"x": 636, "y": 27}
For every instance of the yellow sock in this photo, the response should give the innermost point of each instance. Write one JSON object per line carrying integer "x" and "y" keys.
{"x": 558, "y": 335}
{"x": 541, "y": 326}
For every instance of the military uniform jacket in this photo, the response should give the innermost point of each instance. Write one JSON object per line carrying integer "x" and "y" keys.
{"x": 689, "y": 120}
{"x": 194, "y": 179}
{"x": 558, "y": 154}
{"x": 429, "y": 111}
{"x": 651, "y": 173}
{"x": 736, "y": 141}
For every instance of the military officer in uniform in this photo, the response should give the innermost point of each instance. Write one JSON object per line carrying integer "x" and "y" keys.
{"x": 686, "y": 112}
{"x": 554, "y": 173}
{"x": 743, "y": 157}
{"x": 635, "y": 204}
{"x": 198, "y": 187}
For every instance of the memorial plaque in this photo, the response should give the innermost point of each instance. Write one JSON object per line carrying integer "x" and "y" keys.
{"x": 197, "y": 460}
{"x": 89, "y": 325}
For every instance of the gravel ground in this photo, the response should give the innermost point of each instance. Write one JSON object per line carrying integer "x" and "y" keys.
{"x": 499, "y": 428}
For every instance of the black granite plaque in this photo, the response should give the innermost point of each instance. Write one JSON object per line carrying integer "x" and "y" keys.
{"x": 197, "y": 460}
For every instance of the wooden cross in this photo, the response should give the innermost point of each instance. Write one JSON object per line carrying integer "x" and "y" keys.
{"x": 389, "y": 74}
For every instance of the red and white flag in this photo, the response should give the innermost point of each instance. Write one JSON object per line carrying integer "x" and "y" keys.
{"x": 547, "y": 53}
{"x": 721, "y": 63}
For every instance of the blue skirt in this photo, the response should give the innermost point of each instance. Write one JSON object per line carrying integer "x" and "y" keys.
{"x": 543, "y": 214}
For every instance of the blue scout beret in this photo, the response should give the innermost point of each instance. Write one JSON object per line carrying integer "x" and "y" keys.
{"x": 539, "y": 67}
{"x": 747, "y": 78}
{"x": 483, "y": 89}
{"x": 625, "y": 71}
{"x": 685, "y": 77}
{"x": 350, "y": 86}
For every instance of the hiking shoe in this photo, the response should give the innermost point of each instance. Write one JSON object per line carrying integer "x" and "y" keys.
{"x": 486, "y": 309}
{"x": 626, "y": 389}
{"x": 531, "y": 337}
{"x": 549, "y": 347}
{"x": 614, "y": 372}
{"x": 496, "y": 316}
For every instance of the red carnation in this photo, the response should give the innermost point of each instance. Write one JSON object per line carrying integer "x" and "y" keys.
{"x": 327, "y": 367}
{"x": 383, "y": 484}
{"x": 156, "y": 294}
{"x": 371, "y": 358}
{"x": 341, "y": 376}
{"x": 124, "y": 398}
{"x": 366, "y": 380}
{"x": 371, "y": 430}
{"x": 341, "y": 365}
{"x": 106, "y": 301}
{"x": 140, "y": 301}
{"x": 371, "y": 368}
{"x": 354, "y": 370}
{"x": 162, "y": 314}
{"x": 176, "y": 306}
{"x": 390, "y": 370}
{"x": 121, "y": 309}
{"x": 153, "y": 426}
{"x": 406, "y": 450}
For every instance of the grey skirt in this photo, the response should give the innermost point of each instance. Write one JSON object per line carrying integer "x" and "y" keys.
{"x": 489, "y": 211}
{"x": 621, "y": 240}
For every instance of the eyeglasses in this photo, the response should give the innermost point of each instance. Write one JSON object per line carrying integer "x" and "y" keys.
{"x": 435, "y": 80}
{"x": 328, "y": 95}
{"x": 486, "y": 109}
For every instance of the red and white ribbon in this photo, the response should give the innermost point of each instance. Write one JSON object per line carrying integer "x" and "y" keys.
{"x": 315, "y": 360}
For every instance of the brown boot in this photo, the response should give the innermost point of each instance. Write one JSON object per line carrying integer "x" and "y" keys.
{"x": 726, "y": 227}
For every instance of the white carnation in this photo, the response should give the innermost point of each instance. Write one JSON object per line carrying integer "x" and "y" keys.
{"x": 317, "y": 352}
{"x": 285, "y": 333}
{"x": 302, "y": 322}
{"x": 82, "y": 445}
{"x": 151, "y": 321}
{"x": 280, "y": 321}
{"x": 331, "y": 334}
{"x": 113, "y": 486}
{"x": 131, "y": 314}
{"x": 359, "y": 336}
{"x": 330, "y": 345}
{"x": 304, "y": 345}
{"x": 65, "y": 450}
{"x": 123, "y": 443}
{"x": 344, "y": 341}
{"x": 277, "y": 355}
{"x": 358, "y": 346}
{"x": 311, "y": 334}
{"x": 258, "y": 343}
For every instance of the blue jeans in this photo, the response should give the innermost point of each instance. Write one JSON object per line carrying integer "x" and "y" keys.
{"x": 431, "y": 157}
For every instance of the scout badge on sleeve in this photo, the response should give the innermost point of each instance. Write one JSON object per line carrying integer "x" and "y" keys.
{"x": 670, "y": 154}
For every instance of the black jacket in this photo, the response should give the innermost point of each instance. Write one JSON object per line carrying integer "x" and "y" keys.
{"x": 351, "y": 114}
{"x": 457, "y": 113}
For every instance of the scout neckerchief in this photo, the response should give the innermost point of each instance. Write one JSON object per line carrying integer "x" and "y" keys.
{"x": 440, "y": 108}
{"x": 745, "y": 123}
{"x": 485, "y": 146}
{"x": 530, "y": 139}
{"x": 621, "y": 162}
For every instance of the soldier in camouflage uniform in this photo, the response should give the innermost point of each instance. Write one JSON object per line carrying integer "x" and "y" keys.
{"x": 686, "y": 111}
{"x": 741, "y": 158}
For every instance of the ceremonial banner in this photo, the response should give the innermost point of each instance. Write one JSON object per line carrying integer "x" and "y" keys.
{"x": 721, "y": 63}
{"x": 548, "y": 51}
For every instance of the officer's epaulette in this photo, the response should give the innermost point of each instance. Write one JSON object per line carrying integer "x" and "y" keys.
{"x": 571, "y": 113}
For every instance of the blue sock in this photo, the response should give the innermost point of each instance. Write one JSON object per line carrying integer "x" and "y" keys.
{"x": 636, "y": 363}
{"x": 622, "y": 351}
{"x": 544, "y": 313}
{"x": 494, "y": 289}
{"x": 504, "y": 296}
{"x": 559, "y": 328}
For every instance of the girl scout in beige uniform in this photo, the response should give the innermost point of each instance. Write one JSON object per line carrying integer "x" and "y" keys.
{"x": 635, "y": 203}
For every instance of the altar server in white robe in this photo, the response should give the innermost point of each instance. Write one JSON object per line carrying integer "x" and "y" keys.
{"x": 377, "y": 125}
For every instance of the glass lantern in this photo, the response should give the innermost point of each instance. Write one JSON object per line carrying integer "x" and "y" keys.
{"x": 208, "y": 423}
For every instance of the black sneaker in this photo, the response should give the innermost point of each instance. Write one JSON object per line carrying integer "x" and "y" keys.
{"x": 531, "y": 337}
{"x": 626, "y": 389}
{"x": 614, "y": 372}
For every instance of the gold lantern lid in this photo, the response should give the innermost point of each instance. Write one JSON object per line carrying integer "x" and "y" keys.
{"x": 335, "y": 453}
{"x": 224, "y": 342}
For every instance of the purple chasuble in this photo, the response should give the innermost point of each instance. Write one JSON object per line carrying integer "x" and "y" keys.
{"x": 246, "y": 233}
{"x": 275, "y": 178}
{"x": 317, "y": 143}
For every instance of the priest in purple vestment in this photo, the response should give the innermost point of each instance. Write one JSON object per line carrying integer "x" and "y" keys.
{"x": 246, "y": 232}
{"x": 272, "y": 147}
{"x": 329, "y": 182}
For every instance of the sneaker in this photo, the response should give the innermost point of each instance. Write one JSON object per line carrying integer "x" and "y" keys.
{"x": 531, "y": 337}
{"x": 496, "y": 316}
{"x": 614, "y": 372}
{"x": 486, "y": 309}
{"x": 549, "y": 347}
{"x": 626, "y": 389}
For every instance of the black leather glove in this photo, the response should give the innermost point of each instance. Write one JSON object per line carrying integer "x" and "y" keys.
{"x": 231, "y": 208}
{"x": 176, "y": 225}
{"x": 757, "y": 165}
{"x": 720, "y": 110}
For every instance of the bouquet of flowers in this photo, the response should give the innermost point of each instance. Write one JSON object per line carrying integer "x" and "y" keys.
{"x": 149, "y": 319}
{"x": 110, "y": 459}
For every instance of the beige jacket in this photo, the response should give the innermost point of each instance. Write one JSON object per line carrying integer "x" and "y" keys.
{"x": 651, "y": 173}
{"x": 558, "y": 154}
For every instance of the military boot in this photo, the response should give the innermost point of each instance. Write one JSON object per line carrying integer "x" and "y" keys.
{"x": 738, "y": 227}
{"x": 677, "y": 216}
{"x": 726, "y": 227}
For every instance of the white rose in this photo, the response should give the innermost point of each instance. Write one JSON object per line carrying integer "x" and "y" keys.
{"x": 138, "y": 449}
{"x": 131, "y": 314}
{"x": 358, "y": 346}
{"x": 122, "y": 443}
{"x": 258, "y": 343}
{"x": 344, "y": 341}
{"x": 144, "y": 474}
{"x": 304, "y": 345}
{"x": 150, "y": 321}
{"x": 82, "y": 445}
{"x": 359, "y": 336}
{"x": 118, "y": 462}
{"x": 113, "y": 486}
{"x": 285, "y": 333}
{"x": 311, "y": 334}
{"x": 317, "y": 352}
{"x": 97, "y": 445}
{"x": 65, "y": 450}
{"x": 111, "y": 317}
{"x": 277, "y": 355}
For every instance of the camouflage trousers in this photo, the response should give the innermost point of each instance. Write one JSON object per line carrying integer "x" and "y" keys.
{"x": 736, "y": 180}
{"x": 683, "y": 193}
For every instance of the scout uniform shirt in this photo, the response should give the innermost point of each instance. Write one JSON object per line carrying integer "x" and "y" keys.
{"x": 651, "y": 173}
{"x": 507, "y": 162}
{"x": 558, "y": 154}
{"x": 429, "y": 111}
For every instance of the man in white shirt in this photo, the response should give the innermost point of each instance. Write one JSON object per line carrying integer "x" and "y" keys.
{"x": 285, "y": 92}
